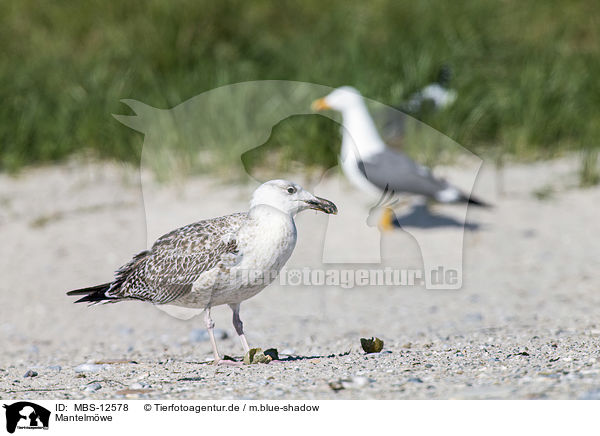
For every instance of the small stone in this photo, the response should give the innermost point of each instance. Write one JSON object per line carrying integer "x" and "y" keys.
{"x": 414, "y": 380}
{"x": 55, "y": 368}
{"x": 256, "y": 355}
{"x": 336, "y": 385}
{"x": 30, "y": 373}
{"x": 93, "y": 387}
{"x": 373, "y": 345}
{"x": 89, "y": 367}
{"x": 138, "y": 386}
{"x": 272, "y": 353}
{"x": 354, "y": 382}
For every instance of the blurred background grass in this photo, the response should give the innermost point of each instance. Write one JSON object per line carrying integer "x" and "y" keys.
{"x": 526, "y": 72}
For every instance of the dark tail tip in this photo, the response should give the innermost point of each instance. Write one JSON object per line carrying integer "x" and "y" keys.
{"x": 92, "y": 294}
{"x": 476, "y": 202}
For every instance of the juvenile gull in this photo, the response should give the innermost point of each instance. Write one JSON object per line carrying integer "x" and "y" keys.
{"x": 371, "y": 165}
{"x": 223, "y": 260}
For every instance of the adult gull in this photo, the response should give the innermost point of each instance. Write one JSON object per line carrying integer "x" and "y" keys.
{"x": 375, "y": 168}
{"x": 217, "y": 261}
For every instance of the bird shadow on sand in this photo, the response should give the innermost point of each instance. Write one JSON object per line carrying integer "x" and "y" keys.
{"x": 422, "y": 218}
{"x": 294, "y": 358}
{"x": 283, "y": 358}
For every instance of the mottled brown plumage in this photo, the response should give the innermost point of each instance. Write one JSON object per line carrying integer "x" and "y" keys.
{"x": 168, "y": 270}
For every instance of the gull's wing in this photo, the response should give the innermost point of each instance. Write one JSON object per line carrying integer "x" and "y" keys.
{"x": 169, "y": 269}
{"x": 399, "y": 173}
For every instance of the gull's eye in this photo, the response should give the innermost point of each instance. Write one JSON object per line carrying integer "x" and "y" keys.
{"x": 291, "y": 190}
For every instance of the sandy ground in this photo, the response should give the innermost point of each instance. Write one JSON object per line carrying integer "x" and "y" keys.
{"x": 524, "y": 325}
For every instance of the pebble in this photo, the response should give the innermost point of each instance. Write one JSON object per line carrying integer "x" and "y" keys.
{"x": 92, "y": 387}
{"x": 89, "y": 367}
{"x": 55, "y": 367}
{"x": 138, "y": 385}
{"x": 414, "y": 380}
{"x": 30, "y": 373}
{"x": 355, "y": 382}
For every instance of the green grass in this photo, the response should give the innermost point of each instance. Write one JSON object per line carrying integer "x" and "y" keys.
{"x": 526, "y": 72}
{"x": 589, "y": 170}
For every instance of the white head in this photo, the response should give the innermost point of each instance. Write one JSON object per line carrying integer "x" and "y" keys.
{"x": 359, "y": 133}
{"x": 340, "y": 99}
{"x": 289, "y": 198}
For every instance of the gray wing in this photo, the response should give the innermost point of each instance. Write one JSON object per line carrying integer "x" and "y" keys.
{"x": 400, "y": 173}
{"x": 176, "y": 260}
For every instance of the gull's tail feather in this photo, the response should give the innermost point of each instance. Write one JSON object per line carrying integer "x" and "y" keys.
{"x": 99, "y": 293}
{"x": 474, "y": 201}
{"x": 93, "y": 294}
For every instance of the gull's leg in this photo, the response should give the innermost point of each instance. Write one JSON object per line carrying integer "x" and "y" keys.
{"x": 210, "y": 326}
{"x": 239, "y": 326}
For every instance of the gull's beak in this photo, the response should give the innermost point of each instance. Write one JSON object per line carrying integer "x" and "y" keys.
{"x": 323, "y": 205}
{"x": 319, "y": 105}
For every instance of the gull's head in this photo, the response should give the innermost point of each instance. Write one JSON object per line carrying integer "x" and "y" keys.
{"x": 289, "y": 197}
{"x": 340, "y": 99}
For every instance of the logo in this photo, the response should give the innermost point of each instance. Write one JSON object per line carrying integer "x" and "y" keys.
{"x": 244, "y": 116}
{"x": 26, "y": 415}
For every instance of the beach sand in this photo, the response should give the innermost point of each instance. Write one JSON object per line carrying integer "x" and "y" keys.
{"x": 524, "y": 325}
